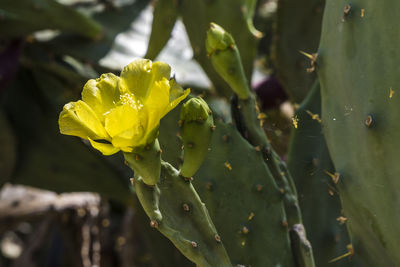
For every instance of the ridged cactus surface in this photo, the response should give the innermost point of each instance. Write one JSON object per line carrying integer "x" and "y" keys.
{"x": 252, "y": 225}
{"x": 358, "y": 67}
{"x": 297, "y": 27}
{"x": 311, "y": 166}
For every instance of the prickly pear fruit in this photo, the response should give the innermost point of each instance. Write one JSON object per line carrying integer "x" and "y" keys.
{"x": 225, "y": 58}
{"x": 197, "y": 125}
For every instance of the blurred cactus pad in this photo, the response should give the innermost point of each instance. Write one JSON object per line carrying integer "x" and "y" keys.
{"x": 210, "y": 133}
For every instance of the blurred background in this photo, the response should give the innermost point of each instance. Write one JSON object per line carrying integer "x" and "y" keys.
{"x": 61, "y": 202}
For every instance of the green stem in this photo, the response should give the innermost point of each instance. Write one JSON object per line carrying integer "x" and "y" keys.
{"x": 177, "y": 211}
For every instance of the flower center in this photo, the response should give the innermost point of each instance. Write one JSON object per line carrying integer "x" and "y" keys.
{"x": 129, "y": 99}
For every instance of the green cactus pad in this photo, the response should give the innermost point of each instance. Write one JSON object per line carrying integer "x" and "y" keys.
{"x": 297, "y": 28}
{"x": 176, "y": 210}
{"x": 146, "y": 162}
{"x": 358, "y": 67}
{"x": 308, "y": 161}
{"x": 164, "y": 17}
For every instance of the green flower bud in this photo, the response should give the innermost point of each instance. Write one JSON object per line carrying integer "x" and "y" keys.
{"x": 225, "y": 59}
{"x": 197, "y": 126}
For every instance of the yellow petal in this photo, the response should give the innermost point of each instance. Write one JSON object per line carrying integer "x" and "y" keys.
{"x": 123, "y": 125}
{"x": 105, "y": 149}
{"x": 155, "y": 105}
{"x": 127, "y": 139}
{"x": 78, "y": 119}
{"x": 175, "y": 91}
{"x": 160, "y": 71}
{"x": 176, "y": 101}
{"x": 101, "y": 94}
{"x": 138, "y": 76}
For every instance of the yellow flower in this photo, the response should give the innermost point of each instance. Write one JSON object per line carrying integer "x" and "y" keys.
{"x": 120, "y": 113}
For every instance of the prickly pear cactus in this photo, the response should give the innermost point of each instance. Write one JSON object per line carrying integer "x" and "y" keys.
{"x": 297, "y": 27}
{"x": 20, "y": 18}
{"x": 357, "y": 65}
{"x": 265, "y": 213}
{"x": 164, "y": 17}
{"x": 231, "y": 14}
{"x": 311, "y": 167}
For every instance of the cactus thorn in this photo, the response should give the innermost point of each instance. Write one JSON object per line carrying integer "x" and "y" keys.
{"x": 310, "y": 56}
{"x": 159, "y": 151}
{"x": 180, "y": 123}
{"x": 213, "y": 127}
{"x": 262, "y": 118}
{"x": 251, "y": 216}
{"x": 369, "y": 121}
{"x": 245, "y": 230}
{"x": 313, "y": 57}
{"x": 282, "y": 191}
{"x": 154, "y": 224}
{"x": 190, "y": 145}
{"x": 217, "y": 238}
{"x": 132, "y": 180}
{"x": 341, "y": 219}
{"x": 126, "y": 163}
{"x": 228, "y": 165}
{"x": 258, "y": 148}
{"x": 138, "y": 157}
{"x": 350, "y": 252}
{"x": 295, "y": 121}
{"x": 314, "y": 116}
{"x": 185, "y": 207}
{"x": 362, "y": 12}
{"x": 239, "y": 107}
{"x": 391, "y": 92}
{"x": 335, "y": 176}
{"x": 259, "y": 187}
{"x": 346, "y": 12}
{"x": 194, "y": 244}
{"x": 284, "y": 223}
{"x": 182, "y": 147}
